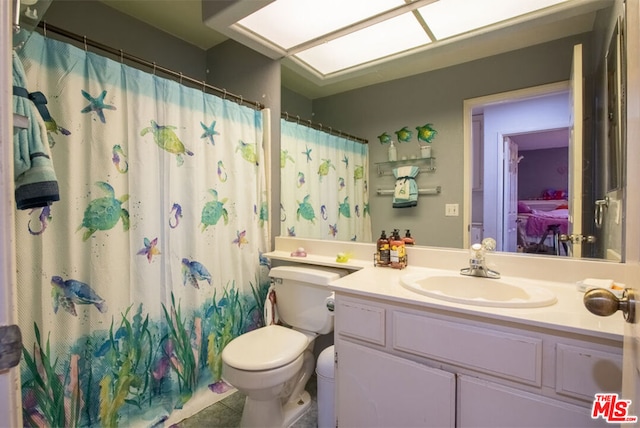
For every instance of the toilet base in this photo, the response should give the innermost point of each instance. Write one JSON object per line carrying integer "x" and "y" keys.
{"x": 272, "y": 413}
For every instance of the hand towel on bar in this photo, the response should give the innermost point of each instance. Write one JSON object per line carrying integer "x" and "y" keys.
{"x": 406, "y": 189}
{"x": 36, "y": 184}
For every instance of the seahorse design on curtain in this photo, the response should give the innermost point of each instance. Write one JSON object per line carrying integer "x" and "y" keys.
{"x": 150, "y": 268}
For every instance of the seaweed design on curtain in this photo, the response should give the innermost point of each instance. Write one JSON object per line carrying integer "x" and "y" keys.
{"x": 324, "y": 179}
{"x": 151, "y": 261}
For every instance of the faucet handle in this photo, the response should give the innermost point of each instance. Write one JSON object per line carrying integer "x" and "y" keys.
{"x": 489, "y": 244}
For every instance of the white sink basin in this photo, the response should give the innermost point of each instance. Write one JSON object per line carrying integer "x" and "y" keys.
{"x": 503, "y": 293}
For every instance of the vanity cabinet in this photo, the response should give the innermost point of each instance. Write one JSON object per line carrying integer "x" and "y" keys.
{"x": 405, "y": 366}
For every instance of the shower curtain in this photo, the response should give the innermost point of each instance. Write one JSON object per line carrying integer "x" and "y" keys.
{"x": 132, "y": 284}
{"x": 324, "y": 179}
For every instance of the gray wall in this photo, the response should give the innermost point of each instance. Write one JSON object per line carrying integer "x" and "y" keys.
{"x": 107, "y": 26}
{"x": 436, "y": 97}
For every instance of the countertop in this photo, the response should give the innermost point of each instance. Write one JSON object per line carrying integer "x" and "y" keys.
{"x": 568, "y": 314}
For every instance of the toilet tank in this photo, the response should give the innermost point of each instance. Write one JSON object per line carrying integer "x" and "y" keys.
{"x": 301, "y": 294}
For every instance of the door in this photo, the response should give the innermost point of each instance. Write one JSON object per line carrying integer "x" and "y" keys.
{"x": 575, "y": 151}
{"x": 631, "y": 358}
{"x": 510, "y": 199}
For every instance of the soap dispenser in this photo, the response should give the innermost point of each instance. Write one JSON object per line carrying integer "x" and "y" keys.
{"x": 408, "y": 239}
{"x": 393, "y": 153}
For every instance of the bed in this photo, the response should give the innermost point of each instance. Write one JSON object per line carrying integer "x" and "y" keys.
{"x": 539, "y": 224}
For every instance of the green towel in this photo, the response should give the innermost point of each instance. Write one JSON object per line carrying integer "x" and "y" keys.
{"x": 406, "y": 189}
{"x": 36, "y": 184}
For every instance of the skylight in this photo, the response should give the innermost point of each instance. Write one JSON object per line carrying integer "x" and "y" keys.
{"x": 331, "y": 36}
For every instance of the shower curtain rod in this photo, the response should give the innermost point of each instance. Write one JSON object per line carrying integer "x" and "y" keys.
{"x": 320, "y": 127}
{"x": 123, "y": 55}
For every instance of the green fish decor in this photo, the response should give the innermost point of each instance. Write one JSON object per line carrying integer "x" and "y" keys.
{"x": 426, "y": 133}
{"x": 384, "y": 138}
{"x": 404, "y": 135}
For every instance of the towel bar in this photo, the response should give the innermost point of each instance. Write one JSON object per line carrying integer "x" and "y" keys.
{"x": 431, "y": 191}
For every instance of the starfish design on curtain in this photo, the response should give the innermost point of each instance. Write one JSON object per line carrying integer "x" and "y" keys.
{"x": 209, "y": 132}
{"x": 96, "y": 104}
{"x": 307, "y": 153}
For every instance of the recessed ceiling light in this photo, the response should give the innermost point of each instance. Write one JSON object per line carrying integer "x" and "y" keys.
{"x": 288, "y": 23}
{"x": 448, "y": 18}
{"x": 386, "y": 38}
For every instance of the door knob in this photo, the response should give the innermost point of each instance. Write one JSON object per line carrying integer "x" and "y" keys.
{"x": 603, "y": 302}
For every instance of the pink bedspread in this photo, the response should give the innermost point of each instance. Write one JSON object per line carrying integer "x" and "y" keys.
{"x": 539, "y": 221}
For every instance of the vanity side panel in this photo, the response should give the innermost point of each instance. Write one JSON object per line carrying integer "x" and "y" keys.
{"x": 583, "y": 372}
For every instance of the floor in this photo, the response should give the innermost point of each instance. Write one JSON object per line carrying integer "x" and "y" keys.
{"x": 227, "y": 412}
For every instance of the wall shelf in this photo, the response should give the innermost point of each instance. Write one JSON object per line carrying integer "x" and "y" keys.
{"x": 425, "y": 165}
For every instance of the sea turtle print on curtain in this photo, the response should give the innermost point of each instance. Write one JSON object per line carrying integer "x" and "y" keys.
{"x": 133, "y": 283}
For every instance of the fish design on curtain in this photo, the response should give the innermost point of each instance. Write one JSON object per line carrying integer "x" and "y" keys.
{"x": 132, "y": 284}
{"x": 324, "y": 191}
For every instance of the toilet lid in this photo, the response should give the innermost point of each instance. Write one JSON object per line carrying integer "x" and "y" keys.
{"x": 265, "y": 348}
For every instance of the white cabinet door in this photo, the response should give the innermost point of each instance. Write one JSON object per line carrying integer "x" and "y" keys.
{"x": 486, "y": 404}
{"x": 375, "y": 389}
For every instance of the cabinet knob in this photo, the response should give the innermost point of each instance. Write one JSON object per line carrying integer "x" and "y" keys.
{"x": 603, "y": 302}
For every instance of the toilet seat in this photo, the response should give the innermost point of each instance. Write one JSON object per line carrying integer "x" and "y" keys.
{"x": 265, "y": 348}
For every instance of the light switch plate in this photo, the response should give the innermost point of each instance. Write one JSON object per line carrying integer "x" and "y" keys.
{"x": 451, "y": 210}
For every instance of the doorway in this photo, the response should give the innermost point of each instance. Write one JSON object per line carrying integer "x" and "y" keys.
{"x": 524, "y": 114}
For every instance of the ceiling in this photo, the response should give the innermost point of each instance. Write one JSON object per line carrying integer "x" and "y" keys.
{"x": 206, "y": 23}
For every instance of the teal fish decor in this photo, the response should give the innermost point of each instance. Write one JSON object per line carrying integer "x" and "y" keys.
{"x": 384, "y": 138}
{"x": 426, "y": 133}
{"x": 404, "y": 135}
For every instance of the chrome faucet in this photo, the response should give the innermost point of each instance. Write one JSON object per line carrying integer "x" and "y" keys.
{"x": 477, "y": 265}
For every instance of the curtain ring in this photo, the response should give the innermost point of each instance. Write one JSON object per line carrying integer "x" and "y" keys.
{"x": 44, "y": 27}
{"x": 85, "y": 42}
{"x": 154, "y": 68}
{"x": 320, "y": 125}
{"x": 286, "y": 114}
{"x": 181, "y": 77}
{"x": 298, "y": 117}
{"x": 258, "y": 106}
{"x": 204, "y": 87}
{"x": 241, "y": 100}
{"x": 224, "y": 96}
{"x": 121, "y": 57}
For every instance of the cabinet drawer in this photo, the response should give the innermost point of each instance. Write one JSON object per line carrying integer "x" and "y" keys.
{"x": 360, "y": 321}
{"x": 506, "y": 355}
{"x": 582, "y": 372}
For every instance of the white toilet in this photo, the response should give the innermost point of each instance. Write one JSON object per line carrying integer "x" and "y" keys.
{"x": 271, "y": 365}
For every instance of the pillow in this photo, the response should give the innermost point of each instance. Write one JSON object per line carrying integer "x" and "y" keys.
{"x": 523, "y": 208}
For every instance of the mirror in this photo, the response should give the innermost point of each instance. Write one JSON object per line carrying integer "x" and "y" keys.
{"x": 438, "y": 96}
